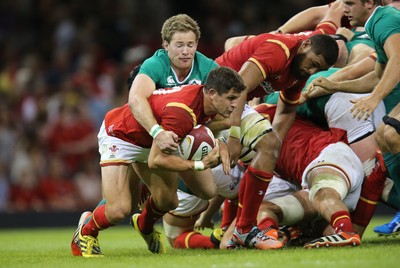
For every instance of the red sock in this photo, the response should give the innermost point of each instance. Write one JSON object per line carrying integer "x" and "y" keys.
{"x": 257, "y": 182}
{"x": 341, "y": 221}
{"x": 228, "y": 213}
{"x": 267, "y": 222}
{"x": 371, "y": 192}
{"x": 193, "y": 240}
{"x": 150, "y": 215}
{"x": 97, "y": 222}
{"x": 242, "y": 189}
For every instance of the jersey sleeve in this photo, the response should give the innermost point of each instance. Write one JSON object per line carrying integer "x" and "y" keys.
{"x": 326, "y": 27}
{"x": 292, "y": 95}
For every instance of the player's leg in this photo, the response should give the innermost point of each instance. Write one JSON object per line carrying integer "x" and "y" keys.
{"x": 259, "y": 136}
{"x": 371, "y": 192}
{"x": 201, "y": 183}
{"x": 116, "y": 206}
{"x": 277, "y": 199}
{"x": 285, "y": 205}
{"x": 388, "y": 139}
{"x": 163, "y": 187}
{"x": 334, "y": 179}
{"x": 118, "y": 182}
{"x": 179, "y": 223}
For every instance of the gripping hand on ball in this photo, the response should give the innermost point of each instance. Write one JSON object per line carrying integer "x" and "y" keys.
{"x": 212, "y": 159}
{"x": 167, "y": 141}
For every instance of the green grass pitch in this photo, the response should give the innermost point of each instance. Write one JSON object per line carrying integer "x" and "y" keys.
{"x": 123, "y": 247}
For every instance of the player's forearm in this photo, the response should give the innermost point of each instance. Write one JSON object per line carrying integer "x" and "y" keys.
{"x": 171, "y": 163}
{"x": 284, "y": 118}
{"x": 390, "y": 78}
{"x": 218, "y": 124}
{"x": 175, "y": 163}
{"x": 354, "y": 71}
{"x": 141, "y": 90}
{"x": 363, "y": 84}
{"x": 305, "y": 20}
{"x": 215, "y": 205}
{"x": 142, "y": 112}
{"x": 236, "y": 116}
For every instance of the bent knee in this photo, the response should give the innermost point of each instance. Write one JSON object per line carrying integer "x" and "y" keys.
{"x": 271, "y": 143}
{"x": 166, "y": 202}
{"x": 391, "y": 137}
{"x": 208, "y": 193}
{"x": 117, "y": 213}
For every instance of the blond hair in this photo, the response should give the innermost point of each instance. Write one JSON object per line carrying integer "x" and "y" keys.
{"x": 179, "y": 23}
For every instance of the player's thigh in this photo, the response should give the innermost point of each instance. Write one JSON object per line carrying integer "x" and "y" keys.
{"x": 279, "y": 187}
{"x": 304, "y": 199}
{"x": 391, "y": 134}
{"x": 201, "y": 183}
{"x": 161, "y": 184}
{"x": 341, "y": 159}
{"x": 157, "y": 180}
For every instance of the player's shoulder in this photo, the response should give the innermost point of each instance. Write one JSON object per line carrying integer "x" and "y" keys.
{"x": 289, "y": 40}
{"x": 159, "y": 58}
{"x": 200, "y": 59}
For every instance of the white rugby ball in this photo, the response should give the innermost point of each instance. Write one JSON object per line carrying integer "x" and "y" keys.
{"x": 197, "y": 144}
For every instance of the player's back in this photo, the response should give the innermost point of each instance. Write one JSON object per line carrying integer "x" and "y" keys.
{"x": 303, "y": 143}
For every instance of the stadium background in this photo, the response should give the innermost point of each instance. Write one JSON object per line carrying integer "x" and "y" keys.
{"x": 63, "y": 64}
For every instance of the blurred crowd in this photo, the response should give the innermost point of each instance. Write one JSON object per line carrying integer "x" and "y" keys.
{"x": 64, "y": 64}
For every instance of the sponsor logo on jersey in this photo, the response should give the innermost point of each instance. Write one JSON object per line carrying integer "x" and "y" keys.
{"x": 267, "y": 87}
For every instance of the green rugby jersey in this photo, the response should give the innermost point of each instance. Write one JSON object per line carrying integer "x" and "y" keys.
{"x": 158, "y": 68}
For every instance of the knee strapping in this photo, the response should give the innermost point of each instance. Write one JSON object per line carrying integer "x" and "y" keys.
{"x": 292, "y": 210}
{"x": 393, "y": 122}
{"x": 329, "y": 181}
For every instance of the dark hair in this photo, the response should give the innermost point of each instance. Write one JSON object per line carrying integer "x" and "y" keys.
{"x": 325, "y": 45}
{"x": 222, "y": 79}
{"x": 375, "y": 2}
{"x": 132, "y": 75}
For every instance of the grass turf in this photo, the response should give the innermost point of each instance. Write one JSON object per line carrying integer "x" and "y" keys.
{"x": 125, "y": 248}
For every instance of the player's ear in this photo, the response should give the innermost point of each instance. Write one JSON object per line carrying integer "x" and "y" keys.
{"x": 305, "y": 46}
{"x": 369, "y": 4}
{"x": 165, "y": 45}
{"x": 212, "y": 93}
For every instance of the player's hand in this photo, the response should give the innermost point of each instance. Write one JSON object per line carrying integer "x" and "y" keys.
{"x": 321, "y": 82}
{"x": 363, "y": 107}
{"x": 212, "y": 159}
{"x": 203, "y": 223}
{"x": 167, "y": 141}
{"x": 234, "y": 148}
{"x": 224, "y": 157}
{"x": 345, "y": 32}
{"x": 303, "y": 97}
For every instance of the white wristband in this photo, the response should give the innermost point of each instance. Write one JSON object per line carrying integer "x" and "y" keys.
{"x": 155, "y": 130}
{"x": 198, "y": 165}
